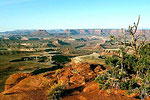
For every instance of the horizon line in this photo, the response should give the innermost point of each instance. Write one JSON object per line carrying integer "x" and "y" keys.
{"x": 76, "y": 29}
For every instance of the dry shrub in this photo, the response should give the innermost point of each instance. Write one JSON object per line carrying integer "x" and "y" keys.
{"x": 55, "y": 90}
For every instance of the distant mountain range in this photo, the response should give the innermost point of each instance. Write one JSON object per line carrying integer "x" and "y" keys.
{"x": 18, "y": 32}
{"x": 102, "y": 32}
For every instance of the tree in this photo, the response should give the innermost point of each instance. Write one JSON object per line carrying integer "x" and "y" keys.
{"x": 129, "y": 40}
{"x": 135, "y": 38}
{"x": 131, "y": 70}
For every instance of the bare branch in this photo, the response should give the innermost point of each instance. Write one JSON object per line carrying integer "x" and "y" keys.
{"x": 142, "y": 43}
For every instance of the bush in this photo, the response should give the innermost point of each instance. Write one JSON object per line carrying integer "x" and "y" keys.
{"x": 113, "y": 77}
{"x": 130, "y": 60}
{"x": 130, "y": 72}
{"x": 124, "y": 85}
{"x": 55, "y": 91}
{"x": 128, "y": 92}
{"x": 113, "y": 61}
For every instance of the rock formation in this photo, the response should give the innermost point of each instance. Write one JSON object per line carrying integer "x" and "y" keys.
{"x": 40, "y": 33}
{"x": 78, "y": 77}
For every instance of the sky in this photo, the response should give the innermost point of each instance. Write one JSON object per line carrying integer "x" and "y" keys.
{"x": 72, "y": 14}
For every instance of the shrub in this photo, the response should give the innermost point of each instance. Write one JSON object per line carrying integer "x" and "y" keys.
{"x": 55, "y": 91}
{"x": 129, "y": 72}
{"x": 112, "y": 61}
{"x": 130, "y": 60}
{"x": 124, "y": 85}
{"x": 128, "y": 92}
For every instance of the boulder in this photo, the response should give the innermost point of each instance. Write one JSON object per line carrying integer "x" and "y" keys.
{"x": 77, "y": 80}
{"x": 15, "y": 79}
{"x": 91, "y": 88}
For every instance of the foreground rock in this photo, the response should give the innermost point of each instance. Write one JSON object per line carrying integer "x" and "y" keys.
{"x": 15, "y": 79}
{"x": 79, "y": 78}
{"x": 92, "y": 92}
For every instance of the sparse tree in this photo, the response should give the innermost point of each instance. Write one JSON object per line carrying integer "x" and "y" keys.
{"x": 136, "y": 37}
{"x": 130, "y": 40}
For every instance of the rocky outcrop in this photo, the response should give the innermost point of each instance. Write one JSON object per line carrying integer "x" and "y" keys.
{"x": 92, "y": 92}
{"x": 40, "y": 33}
{"x": 15, "y": 79}
{"x": 78, "y": 77}
{"x": 78, "y": 73}
{"x": 31, "y": 88}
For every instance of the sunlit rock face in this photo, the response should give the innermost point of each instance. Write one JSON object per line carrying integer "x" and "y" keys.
{"x": 40, "y": 32}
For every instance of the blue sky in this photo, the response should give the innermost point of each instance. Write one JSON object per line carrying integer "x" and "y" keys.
{"x": 72, "y": 14}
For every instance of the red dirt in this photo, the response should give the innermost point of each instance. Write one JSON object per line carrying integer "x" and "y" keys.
{"x": 92, "y": 92}
{"x": 79, "y": 77}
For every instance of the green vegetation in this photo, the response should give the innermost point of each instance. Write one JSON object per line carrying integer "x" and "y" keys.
{"x": 61, "y": 59}
{"x": 112, "y": 61}
{"x": 130, "y": 71}
{"x": 43, "y": 70}
{"x": 78, "y": 47}
{"x": 56, "y": 90}
{"x": 81, "y": 39}
{"x": 35, "y": 55}
{"x": 63, "y": 43}
{"x": 128, "y": 93}
{"x": 14, "y": 52}
{"x": 134, "y": 76}
{"x": 48, "y": 50}
{"x": 50, "y": 45}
